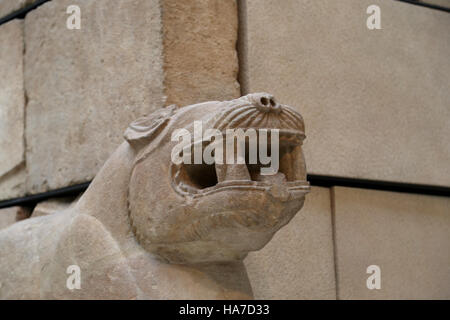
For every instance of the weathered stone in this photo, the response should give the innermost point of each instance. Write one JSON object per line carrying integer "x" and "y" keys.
{"x": 200, "y": 59}
{"x": 298, "y": 263}
{"x": 7, "y": 217}
{"x": 151, "y": 228}
{"x": 376, "y": 101}
{"x": 84, "y": 86}
{"x": 11, "y": 215}
{"x": 53, "y": 206}
{"x": 9, "y": 6}
{"x": 12, "y": 184}
{"x": 11, "y": 111}
{"x": 406, "y": 235}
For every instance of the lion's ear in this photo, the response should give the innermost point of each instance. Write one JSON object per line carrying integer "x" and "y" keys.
{"x": 144, "y": 129}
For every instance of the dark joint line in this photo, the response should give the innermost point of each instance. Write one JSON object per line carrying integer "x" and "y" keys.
{"x": 31, "y": 200}
{"x": 426, "y": 5}
{"x": 314, "y": 179}
{"x": 330, "y": 181}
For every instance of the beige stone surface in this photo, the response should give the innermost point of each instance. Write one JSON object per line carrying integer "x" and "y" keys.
{"x": 9, "y": 6}
{"x": 85, "y": 86}
{"x": 7, "y": 217}
{"x": 406, "y": 235}
{"x": 298, "y": 263}
{"x": 200, "y": 59}
{"x": 52, "y": 206}
{"x": 149, "y": 227}
{"x": 376, "y": 101}
{"x": 11, "y": 110}
{"x": 11, "y": 215}
{"x": 12, "y": 184}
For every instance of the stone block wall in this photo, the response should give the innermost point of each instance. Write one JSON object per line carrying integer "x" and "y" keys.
{"x": 375, "y": 103}
{"x": 85, "y": 86}
{"x": 377, "y": 107}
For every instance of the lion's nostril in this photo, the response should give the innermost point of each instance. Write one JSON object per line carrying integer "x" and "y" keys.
{"x": 265, "y": 102}
{"x": 272, "y": 102}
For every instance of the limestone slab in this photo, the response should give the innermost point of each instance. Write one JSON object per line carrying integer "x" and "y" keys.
{"x": 84, "y": 86}
{"x": 298, "y": 263}
{"x": 376, "y": 101}
{"x": 11, "y": 110}
{"x": 406, "y": 235}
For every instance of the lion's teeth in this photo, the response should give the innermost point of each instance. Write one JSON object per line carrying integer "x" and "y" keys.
{"x": 228, "y": 172}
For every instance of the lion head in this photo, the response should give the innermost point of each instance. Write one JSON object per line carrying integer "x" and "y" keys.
{"x": 199, "y": 212}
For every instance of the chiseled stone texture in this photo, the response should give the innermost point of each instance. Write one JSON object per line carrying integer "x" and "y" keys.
{"x": 298, "y": 263}
{"x": 11, "y": 215}
{"x": 12, "y": 182}
{"x": 406, "y": 235}
{"x": 200, "y": 58}
{"x": 376, "y": 101}
{"x": 85, "y": 86}
{"x": 9, "y": 6}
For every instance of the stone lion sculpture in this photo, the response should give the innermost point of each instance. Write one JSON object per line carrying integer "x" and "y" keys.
{"x": 147, "y": 228}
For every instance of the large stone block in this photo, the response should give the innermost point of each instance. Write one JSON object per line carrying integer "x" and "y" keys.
{"x": 12, "y": 178}
{"x": 298, "y": 263}
{"x": 9, "y": 6}
{"x": 85, "y": 86}
{"x": 406, "y": 235}
{"x": 376, "y": 102}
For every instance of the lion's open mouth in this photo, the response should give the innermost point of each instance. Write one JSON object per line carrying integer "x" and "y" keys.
{"x": 201, "y": 179}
